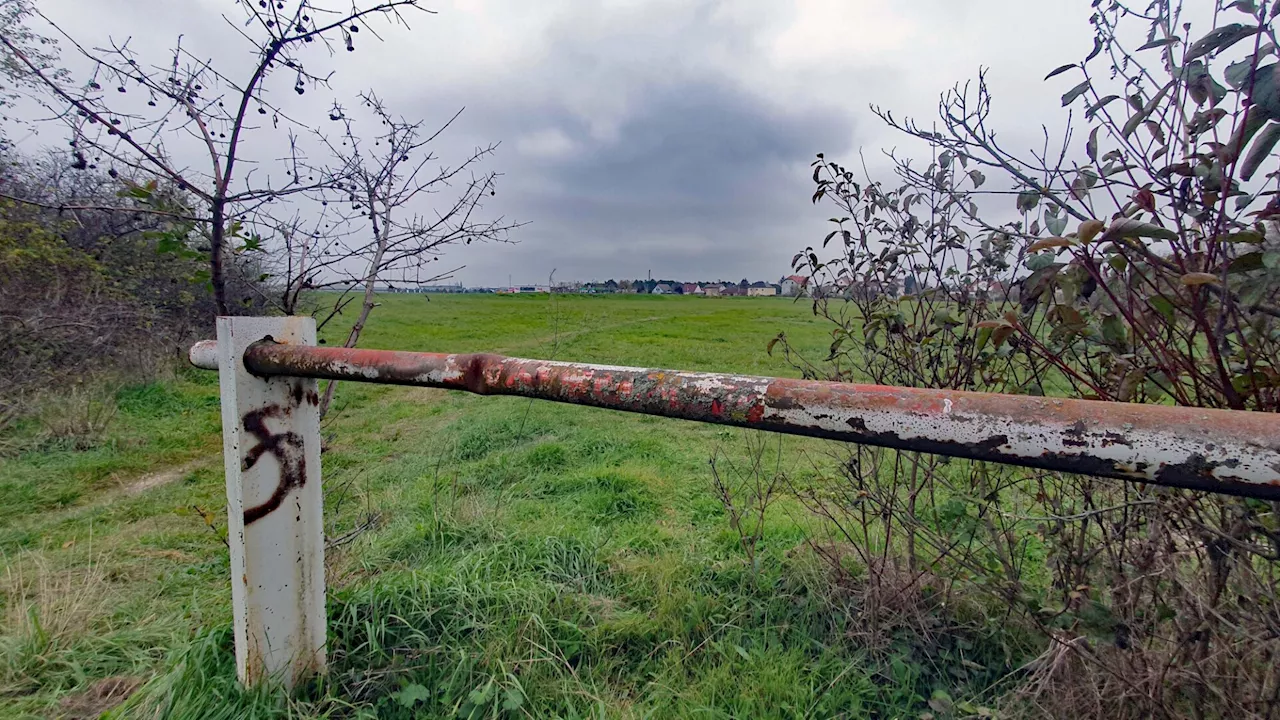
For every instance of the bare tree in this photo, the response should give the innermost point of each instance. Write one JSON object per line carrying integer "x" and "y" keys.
{"x": 400, "y": 211}
{"x": 146, "y": 118}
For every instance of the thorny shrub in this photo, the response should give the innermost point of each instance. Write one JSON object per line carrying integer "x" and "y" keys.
{"x": 1136, "y": 258}
{"x": 89, "y": 298}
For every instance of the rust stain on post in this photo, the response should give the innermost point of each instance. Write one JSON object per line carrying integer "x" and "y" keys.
{"x": 1212, "y": 450}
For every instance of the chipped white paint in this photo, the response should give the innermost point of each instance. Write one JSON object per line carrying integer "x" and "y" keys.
{"x": 449, "y": 374}
{"x": 1143, "y": 452}
{"x": 356, "y": 371}
{"x": 271, "y": 429}
{"x": 204, "y": 354}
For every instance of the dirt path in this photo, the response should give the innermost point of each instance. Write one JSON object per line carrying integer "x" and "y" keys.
{"x": 157, "y": 479}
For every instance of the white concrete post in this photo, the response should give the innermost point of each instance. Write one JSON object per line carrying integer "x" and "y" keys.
{"x": 275, "y": 525}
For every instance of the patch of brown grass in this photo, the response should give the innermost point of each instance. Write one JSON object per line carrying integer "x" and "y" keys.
{"x": 98, "y": 698}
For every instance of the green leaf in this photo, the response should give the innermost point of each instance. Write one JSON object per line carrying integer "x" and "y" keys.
{"x": 1200, "y": 84}
{"x": 1114, "y": 332}
{"x": 1027, "y": 200}
{"x": 1157, "y": 43}
{"x": 1117, "y": 169}
{"x": 513, "y": 700}
{"x": 1091, "y": 146}
{"x": 138, "y": 192}
{"x": 1140, "y": 116}
{"x": 1054, "y": 223}
{"x": 1253, "y": 237}
{"x": 1059, "y": 70}
{"x": 1069, "y": 96}
{"x": 1097, "y": 48}
{"x": 977, "y": 177}
{"x": 1098, "y": 106}
{"x": 411, "y": 695}
{"x": 1266, "y": 92}
{"x": 1256, "y": 380}
{"x": 1039, "y": 261}
{"x": 1260, "y": 151}
{"x": 1128, "y": 227}
{"x": 480, "y": 696}
{"x": 1237, "y": 73}
{"x": 941, "y": 702}
{"x": 944, "y": 317}
{"x": 1248, "y": 262}
{"x": 1161, "y": 304}
{"x": 252, "y": 243}
{"x": 1218, "y": 39}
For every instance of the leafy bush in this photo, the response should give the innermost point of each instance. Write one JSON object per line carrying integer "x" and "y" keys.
{"x": 1134, "y": 259}
{"x": 87, "y": 295}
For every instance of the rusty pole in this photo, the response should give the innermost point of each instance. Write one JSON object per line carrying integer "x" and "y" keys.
{"x": 1221, "y": 451}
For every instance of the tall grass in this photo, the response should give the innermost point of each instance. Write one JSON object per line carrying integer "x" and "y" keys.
{"x": 529, "y": 560}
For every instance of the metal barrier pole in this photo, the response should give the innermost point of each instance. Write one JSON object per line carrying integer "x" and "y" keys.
{"x": 1220, "y": 451}
{"x": 275, "y": 528}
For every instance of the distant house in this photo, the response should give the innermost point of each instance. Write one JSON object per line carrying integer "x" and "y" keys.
{"x": 766, "y": 291}
{"x": 663, "y": 289}
{"x": 711, "y": 291}
{"x": 793, "y": 284}
{"x": 991, "y": 289}
{"x": 689, "y": 288}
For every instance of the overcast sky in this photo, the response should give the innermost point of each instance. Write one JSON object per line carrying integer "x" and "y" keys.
{"x": 671, "y": 136}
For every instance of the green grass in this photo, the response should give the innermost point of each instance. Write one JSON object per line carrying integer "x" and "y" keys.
{"x": 529, "y": 559}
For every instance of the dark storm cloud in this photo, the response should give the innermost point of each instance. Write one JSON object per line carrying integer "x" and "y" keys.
{"x": 627, "y": 151}
{"x": 703, "y": 180}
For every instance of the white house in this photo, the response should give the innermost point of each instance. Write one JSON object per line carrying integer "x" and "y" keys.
{"x": 794, "y": 284}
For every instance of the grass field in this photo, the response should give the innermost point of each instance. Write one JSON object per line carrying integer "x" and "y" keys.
{"x": 525, "y": 559}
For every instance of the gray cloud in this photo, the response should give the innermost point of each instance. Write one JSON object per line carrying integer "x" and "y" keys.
{"x": 663, "y": 135}
{"x": 703, "y": 180}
